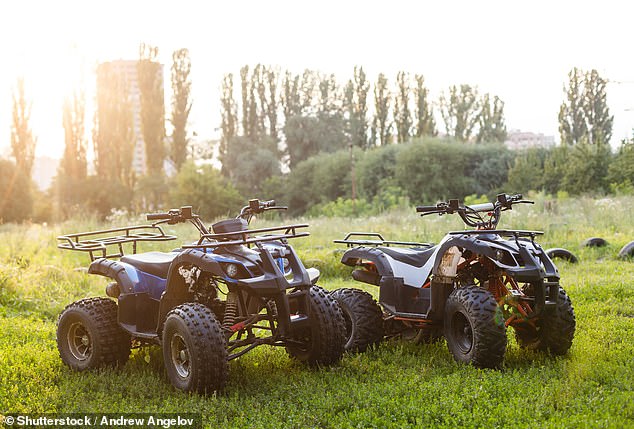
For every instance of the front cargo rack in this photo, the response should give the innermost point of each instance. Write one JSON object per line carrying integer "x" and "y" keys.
{"x": 97, "y": 243}
{"x": 380, "y": 241}
{"x": 245, "y": 237}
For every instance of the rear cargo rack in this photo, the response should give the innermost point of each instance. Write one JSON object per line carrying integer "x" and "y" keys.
{"x": 379, "y": 242}
{"x": 245, "y": 237}
{"x": 97, "y": 243}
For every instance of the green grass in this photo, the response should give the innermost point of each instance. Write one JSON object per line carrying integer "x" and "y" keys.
{"x": 397, "y": 385}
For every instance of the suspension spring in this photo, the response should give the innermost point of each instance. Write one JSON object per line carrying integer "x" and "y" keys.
{"x": 231, "y": 310}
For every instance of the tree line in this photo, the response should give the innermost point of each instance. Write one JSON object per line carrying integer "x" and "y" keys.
{"x": 272, "y": 120}
{"x": 299, "y": 137}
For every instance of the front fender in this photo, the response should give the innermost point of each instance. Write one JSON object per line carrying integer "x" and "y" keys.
{"x": 523, "y": 260}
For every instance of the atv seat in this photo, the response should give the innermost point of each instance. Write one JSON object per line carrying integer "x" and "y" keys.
{"x": 415, "y": 258}
{"x": 155, "y": 263}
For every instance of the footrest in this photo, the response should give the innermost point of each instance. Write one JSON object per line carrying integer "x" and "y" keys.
{"x": 299, "y": 320}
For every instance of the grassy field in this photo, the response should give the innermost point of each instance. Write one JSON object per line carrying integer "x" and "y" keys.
{"x": 397, "y": 385}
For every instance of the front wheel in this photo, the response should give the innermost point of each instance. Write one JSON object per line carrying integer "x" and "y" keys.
{"x": 194, "y": 349}
{"x": 322, "y": 343}
{"x": 474, "y": 327}
{"x": 555, "y": 329}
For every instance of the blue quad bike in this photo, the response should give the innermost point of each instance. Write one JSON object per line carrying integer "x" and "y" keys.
{"x": 469, "y": 288}
{"x": 205, "y": 303}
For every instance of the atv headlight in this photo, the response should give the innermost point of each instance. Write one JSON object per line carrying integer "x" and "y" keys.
{"x": 499, "y": 255}
{"x": 231, "y": 270}
{"x": 286, "y": 263}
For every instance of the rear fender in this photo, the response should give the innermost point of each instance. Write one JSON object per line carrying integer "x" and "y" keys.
{"x": 122, "y": 273}
{"x": 355, "y": 255}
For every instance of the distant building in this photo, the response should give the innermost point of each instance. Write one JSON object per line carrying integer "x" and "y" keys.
{"x": 128, "y": 70}
{"x": 517, "y": 139}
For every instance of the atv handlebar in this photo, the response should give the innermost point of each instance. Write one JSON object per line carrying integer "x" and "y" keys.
{"x": 173, "y": 216}
{"x": 471, "y": 215}
{"x": 256, "y": 207}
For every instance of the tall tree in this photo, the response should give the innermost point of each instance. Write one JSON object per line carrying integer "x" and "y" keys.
{"x": 152, "y": 108}
{"x": 460, "y": 111}
{"x": 598, "y": 118}
{"x": 113, "y": 131}
{"x": 244, "y": 86}
{"x": 381, "y": 126}
{"x": 22, "y": 139}
{"x": 181, "y": 105}
{"x": 73, "y": 163}
{"x": 259, "y": 82}
{"x": 361, "y": 88}
{"x": 291, "y": 104}
{"x": 253, "y": 119}
{"x": 491, "y": 120}
{"x": 229, "y": 125}
{"x": 402, "y": 113}
{"x": 327, "y": 103}
{"x": 70, "y": 183}
{"x": 572, "y": 118}
{"x": 425, "y": 124}
{"x": 272, "y": 77}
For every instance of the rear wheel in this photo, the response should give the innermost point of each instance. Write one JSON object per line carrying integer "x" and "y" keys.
{"x": 554, "y": 331}
{"x": 474, "y": 327}
{"x": 88, "y": 335}
{"x": 363, "y": 319}
{"x": 322, "y": 343}
{"x": 194, "y": 349}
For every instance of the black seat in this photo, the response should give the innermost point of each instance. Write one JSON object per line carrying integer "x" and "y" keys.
{"x": 155, "y": 263}
{"x": 415, "y": 258}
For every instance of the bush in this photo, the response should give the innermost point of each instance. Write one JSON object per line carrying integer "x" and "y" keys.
{"x": 203, "y": 187}
{"x": 16, "y": 197}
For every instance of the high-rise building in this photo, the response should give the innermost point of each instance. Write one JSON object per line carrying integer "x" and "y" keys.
{"x": 127, "y": 69}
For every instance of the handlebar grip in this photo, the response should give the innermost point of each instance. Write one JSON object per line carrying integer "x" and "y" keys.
{"x": 426, "y": 209}
{"x": 485, "y": 207}
{"x": 158, "y": 216}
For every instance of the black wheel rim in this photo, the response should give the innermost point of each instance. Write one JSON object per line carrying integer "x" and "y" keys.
{"x": 79, "y": 341}
{"x": 462, "y": 332}
{"x": 180, "y": 356}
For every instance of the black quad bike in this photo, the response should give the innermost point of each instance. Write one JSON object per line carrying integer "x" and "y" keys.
{"x": 470, "y": 288}
{"x": 205, "y": 303}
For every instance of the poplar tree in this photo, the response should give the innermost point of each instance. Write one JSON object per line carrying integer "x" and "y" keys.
{"x": 491, "y": 120}
{"x": 381, "y": 126}
{"x": 572, "y": 118}
{"x": 460, "y": 111}
{"x": 22, "y": 139}
{"x": 181, "y": 105}
{"x": 402, "y": 113}
{"x": 598, "y": 119}
{"x": 152, "y": 108}
{"x": 73, "y": 164}
{"x": 425, "y": 124}
{"x": 229, "y": 124}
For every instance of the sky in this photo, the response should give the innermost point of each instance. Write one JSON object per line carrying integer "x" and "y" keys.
{"x": 520, "y": 51}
